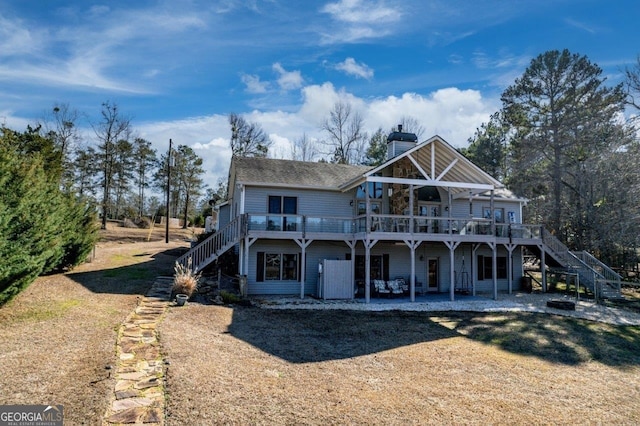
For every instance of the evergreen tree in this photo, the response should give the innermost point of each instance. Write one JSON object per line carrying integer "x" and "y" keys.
{"x": 41, "y": 228}
{"x": 188, "y": 171}
{"x": 487, "y": 148}
{"x": 377, "y": 150}
{"x": 559, "y": 113}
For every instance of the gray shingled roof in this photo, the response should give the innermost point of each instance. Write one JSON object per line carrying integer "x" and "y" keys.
{"x": 294, "y": 173}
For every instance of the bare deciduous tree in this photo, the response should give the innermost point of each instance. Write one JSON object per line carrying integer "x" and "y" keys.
{"x": 411, "y": 125}
{"x": 304, "y": 149}
{"x": 247, "y": 139}
{"x": 112, "y": 127}
{"x": 346, "y": 136}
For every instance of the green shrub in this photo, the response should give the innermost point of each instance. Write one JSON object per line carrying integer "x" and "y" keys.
{"x": 229, "y": 298}
{"x": 198, "y": 221}
{"x": 41, "y": 228}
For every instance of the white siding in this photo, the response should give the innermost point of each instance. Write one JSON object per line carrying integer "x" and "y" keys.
{"x": 310, "y": 202}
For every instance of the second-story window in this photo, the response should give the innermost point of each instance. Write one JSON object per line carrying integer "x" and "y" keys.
{"x": 374, "y": 189}
{"x": 282, "y": 206}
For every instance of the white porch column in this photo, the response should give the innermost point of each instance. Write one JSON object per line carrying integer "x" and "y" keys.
{"x": 303, "y": 244}
{"x": 494, "y": 268}
{"x": 452, "y": 267}
{"x": 368, "y": 244}
{"x": 243, "y": 258}
{"x": 474, "y": 270}
{"x": 510, "y": 248}
{"x": 352, "y": 245}
{"x": 413, "y": 245}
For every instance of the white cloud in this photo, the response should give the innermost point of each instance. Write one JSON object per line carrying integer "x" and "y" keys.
{"x": 208, "y": 136}
{"x": 253, "y": 84}
{"x": 362, "y": 12}
{"x": 357, "y": 20}
{"x": 351, "y": 67}
{"x": 452, "y": 113}
{"x": 581, "y": 25}
{"x": 288, "y": 80}
{"x": 15, "y": 39}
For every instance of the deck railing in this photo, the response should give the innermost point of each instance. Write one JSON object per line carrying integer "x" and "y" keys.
{"x": 594, "y": 274}
{"x": 212, "y": 247}
{"x": 381, "y": 223}
{"x": 609, "y": 281}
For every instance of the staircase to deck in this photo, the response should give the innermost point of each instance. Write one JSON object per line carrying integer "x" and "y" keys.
{"x": 210, "y": 249}
{"x": 604, "y": 282}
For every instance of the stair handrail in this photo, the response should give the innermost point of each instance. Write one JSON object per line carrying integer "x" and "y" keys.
{"x": 586, "y": 273}
{"x": 555, "y": 245}
{"x": 606, "y": 272}
{"x": 213, "y": 245}
{"x": 607, "y": 276}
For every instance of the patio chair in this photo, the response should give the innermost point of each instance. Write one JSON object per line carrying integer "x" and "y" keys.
{"x": 395, "y": 287}
{"x": 404, "y": 285}
{"x": 381, "y": 288}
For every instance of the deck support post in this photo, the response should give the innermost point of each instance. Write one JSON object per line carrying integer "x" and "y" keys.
{"x": 303, "y": 262}
{"x": 352, "y": 245}
{"x": 413, "y": 245}
{"x": 474, "y": 273}
{"x": 452, "y": 267}
{"x": 494, "y": 268}
{"x": 510, "y": 248}
{"x": 368, "y": 245}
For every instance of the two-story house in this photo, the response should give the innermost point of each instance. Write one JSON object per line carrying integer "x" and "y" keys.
{"x": 428, "y": 218}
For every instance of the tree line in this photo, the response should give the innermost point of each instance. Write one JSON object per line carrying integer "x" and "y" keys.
{"x": 122, "y": 173}
{"x": 57, "y": 190}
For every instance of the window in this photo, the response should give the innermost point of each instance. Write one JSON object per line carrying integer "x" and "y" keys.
{"x": 429, "y": 193}
{"x": 485, "y": 267}
{"x": 277, "y": 267}
{"x": 379, "y": 267}
{"x": 376, "y": 207}
{"x": 283, "y": 205}
{"x": 280, "y": 205}
{"x": 375, "y": 190}
{"x": 497, "y": 213}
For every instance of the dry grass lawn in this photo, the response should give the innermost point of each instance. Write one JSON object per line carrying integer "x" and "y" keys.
{"x": 57, "y": 337}
{"x": 256, "y": 366}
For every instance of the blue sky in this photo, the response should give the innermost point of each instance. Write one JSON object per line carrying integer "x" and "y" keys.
{"x": 178, "y": 68}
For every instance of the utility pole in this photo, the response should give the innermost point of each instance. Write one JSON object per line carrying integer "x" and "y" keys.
{"x": 166, "y": 233}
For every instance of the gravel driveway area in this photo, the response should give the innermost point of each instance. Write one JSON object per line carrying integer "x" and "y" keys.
{"x": 517, "y": 302}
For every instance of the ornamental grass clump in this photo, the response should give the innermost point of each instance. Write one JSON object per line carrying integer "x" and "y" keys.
{"x": 185, "y": 281}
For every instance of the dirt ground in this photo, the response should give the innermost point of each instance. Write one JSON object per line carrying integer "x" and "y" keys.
{"x": 244, "y": 365}
{"x": 58, "y": 336}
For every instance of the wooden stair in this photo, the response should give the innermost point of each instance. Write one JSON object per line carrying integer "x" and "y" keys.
{"x": 210, "y": 249}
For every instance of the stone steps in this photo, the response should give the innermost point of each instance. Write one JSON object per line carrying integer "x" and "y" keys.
{"x": 139, "y": 392}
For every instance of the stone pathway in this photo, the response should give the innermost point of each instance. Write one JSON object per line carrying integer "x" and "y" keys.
{"x": 140, "y": 368}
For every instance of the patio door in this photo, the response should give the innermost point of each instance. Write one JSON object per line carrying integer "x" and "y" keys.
{"x": 432, "y": 275}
